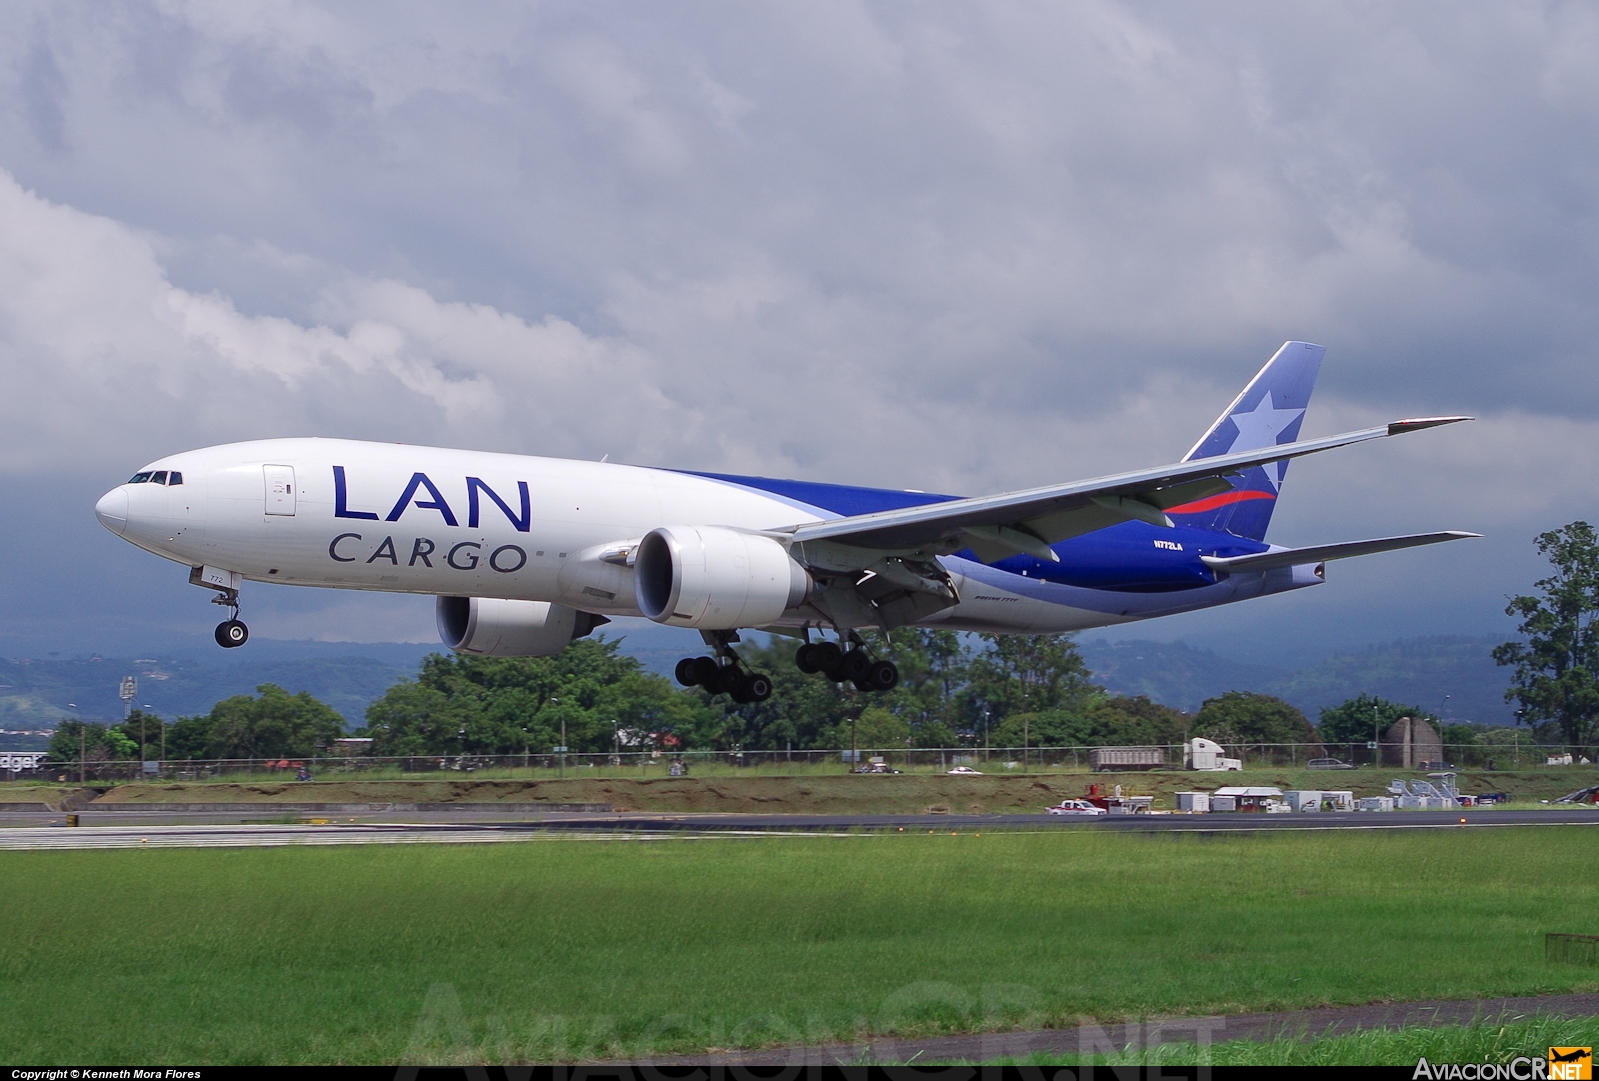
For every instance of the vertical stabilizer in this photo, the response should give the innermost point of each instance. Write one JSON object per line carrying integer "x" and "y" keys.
{"x": 1269, "y": 411}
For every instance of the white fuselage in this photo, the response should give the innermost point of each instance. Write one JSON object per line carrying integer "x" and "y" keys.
{"x": 272, "y": 511}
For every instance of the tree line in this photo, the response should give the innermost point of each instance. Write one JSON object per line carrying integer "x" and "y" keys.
{"x": 955, "y": 691}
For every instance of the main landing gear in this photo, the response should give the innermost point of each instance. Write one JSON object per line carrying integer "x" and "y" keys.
{"x": 729, "y": 678}
{"x": 231, "y": 633}
{"x": 854, "y": 665}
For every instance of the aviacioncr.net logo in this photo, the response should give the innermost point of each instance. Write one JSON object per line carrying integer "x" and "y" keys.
{"x": 1563, "y": 1064}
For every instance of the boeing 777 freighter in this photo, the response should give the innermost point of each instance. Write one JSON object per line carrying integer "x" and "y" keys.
{"x": 526, "y": 554}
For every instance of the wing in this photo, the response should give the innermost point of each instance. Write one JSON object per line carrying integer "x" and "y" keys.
{"x": 1030, "y": 521}
{"x": 1294, "y": 557}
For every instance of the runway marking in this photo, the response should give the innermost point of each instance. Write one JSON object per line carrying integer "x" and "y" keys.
{"x": 60, "y": 838}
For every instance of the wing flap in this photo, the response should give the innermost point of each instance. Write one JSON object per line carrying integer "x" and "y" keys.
{"x": 1321, "y": 553}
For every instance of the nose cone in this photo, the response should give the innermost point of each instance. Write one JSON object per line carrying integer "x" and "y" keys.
{"x": 112, "y": 510}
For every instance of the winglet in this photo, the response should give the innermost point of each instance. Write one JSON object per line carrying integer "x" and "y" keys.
{"x": 1400, "y": 427}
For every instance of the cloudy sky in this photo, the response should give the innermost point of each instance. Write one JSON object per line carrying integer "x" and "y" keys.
{"x": 943, "y": 245}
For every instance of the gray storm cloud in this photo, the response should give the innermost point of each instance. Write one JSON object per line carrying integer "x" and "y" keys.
{"x": 942, "y": 246}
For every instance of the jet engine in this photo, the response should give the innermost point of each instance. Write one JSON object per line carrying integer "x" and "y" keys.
{"x": 486, "y": 627}
{"x": 715, "y": 578}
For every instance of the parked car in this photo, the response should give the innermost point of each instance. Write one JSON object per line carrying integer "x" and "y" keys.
{"x": 966, "y": 771}
{"x": 1075, "y": 807}
{"x": 1328, "y": 763}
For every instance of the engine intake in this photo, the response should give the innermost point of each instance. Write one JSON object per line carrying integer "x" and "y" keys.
{"x": 715, "y": 578}
{"x": 487, "y": 627}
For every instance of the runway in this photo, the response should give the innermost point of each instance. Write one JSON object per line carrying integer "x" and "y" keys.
{"x": 257, "y": 826}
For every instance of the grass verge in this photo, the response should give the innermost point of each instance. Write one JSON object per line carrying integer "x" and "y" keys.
{"x": 1496, "y": 1042}
{"x": 750, "y": 792}
{"x": 567, "y": 949}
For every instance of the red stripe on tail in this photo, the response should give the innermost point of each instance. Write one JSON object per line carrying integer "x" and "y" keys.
{"x": 1200, "y": 506}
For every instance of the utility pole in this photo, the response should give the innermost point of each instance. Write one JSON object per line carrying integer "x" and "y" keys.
{"x": 1025, "y": 719}
{"x": 560, "y": 761}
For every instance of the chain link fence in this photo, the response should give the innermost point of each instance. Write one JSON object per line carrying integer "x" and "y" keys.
{"x": 1513, "y": 754}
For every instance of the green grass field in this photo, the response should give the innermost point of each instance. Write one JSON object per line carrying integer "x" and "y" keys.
{"x": 569, "y": 948}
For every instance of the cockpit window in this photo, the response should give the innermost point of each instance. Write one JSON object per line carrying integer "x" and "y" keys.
{"x": 174, "y": 478}
{"x": 139, "y": 478}
{"x": 158, "y": 478}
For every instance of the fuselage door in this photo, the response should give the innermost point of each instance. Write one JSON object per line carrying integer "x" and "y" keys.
{"x": 279, "y": 489}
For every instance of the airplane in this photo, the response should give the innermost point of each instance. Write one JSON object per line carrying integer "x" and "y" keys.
{"x": 526, "y": 554}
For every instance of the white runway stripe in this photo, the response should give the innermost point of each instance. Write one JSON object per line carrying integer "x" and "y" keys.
{"x": 51, "y": 838}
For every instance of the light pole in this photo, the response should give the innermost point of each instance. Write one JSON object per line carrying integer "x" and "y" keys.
{"x": 1376, "y": 738}
{"x": 83, "y": 740}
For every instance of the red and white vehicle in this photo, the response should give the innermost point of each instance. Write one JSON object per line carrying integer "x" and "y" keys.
{"x": 1075, "y": 807}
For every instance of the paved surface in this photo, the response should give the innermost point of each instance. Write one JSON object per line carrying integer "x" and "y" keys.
{"x": 1148, "y": 1034}
{"x": 260, "y": 825}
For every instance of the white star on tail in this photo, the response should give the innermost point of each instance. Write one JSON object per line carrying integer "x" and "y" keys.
{"x": 1259, "y": 428}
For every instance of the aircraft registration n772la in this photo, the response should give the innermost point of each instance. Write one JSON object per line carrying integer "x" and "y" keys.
{"x": 525, "y": 554}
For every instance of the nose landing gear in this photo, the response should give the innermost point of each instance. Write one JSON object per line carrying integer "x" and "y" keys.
{"x": 231, "y": 633}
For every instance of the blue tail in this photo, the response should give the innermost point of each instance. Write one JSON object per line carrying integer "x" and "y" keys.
{"x": 1268, "y": 412}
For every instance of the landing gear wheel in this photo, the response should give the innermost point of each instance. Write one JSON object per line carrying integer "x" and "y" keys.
{"x": 802, "y": 659}
{"x": 732, "y": 681}
{"x": 854, "y": 666}
{"x": 882, "y": 676}
{"x": 231, "y": 634}
{"x": 685, "y": 672}
{"x": 758, "y": 687}
{"x": 826, "y": 657}
{"x": 706, "y": 673}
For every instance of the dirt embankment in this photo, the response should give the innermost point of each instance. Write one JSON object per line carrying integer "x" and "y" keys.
{"x": 836, "y": 794}
{"x": 773, "y": 795}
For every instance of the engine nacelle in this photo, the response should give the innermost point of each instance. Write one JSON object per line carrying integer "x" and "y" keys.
{"x": 715, "y": 578}
{"x": 486, "y": 627}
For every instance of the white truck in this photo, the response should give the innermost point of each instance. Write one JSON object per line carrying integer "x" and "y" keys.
{"x": 1207, "y": 757}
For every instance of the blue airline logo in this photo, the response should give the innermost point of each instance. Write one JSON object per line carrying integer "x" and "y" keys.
{"x": 420, "y": 482}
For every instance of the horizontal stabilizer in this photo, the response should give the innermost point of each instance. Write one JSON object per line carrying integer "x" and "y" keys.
{"x": 1298, "y": 557}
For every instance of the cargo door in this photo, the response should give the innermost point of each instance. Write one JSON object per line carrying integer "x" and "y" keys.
{"x": 279, "y": 489}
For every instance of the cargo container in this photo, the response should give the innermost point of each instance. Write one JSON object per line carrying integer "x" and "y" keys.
{"x": 1105, "y": 759}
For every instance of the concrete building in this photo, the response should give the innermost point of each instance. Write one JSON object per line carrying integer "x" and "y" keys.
{"x": 1410, "y": 742}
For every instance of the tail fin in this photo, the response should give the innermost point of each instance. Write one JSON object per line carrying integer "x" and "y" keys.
{"x": 1268, "y": 412}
